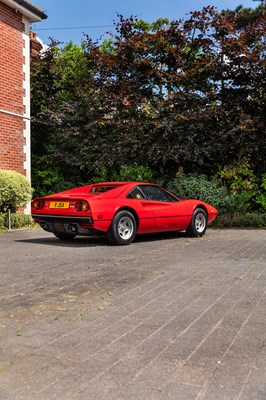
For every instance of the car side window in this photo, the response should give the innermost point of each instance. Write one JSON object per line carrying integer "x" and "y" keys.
{"x": 157, "y": 194}
{"x": 135, "y": 194}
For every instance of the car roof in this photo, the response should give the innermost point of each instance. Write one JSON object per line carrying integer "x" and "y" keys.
{"x": 120, "y": 183}
{"x": 129, "y": 184}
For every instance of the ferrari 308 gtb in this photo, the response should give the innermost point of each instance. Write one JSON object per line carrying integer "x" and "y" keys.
{"x": 120, "y": 210}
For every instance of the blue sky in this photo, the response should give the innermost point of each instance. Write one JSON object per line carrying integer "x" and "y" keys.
{"x": 96, "y": 17}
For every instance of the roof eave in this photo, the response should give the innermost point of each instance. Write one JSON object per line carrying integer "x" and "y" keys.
{"x": 32, "y": 12}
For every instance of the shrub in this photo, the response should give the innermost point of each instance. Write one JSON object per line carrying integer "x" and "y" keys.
{"x": 248, "y": 220}
{"x": 134, "y": 172}
{"x": 240, "y": 180}
{"x": 101, "y": 175}
{"x": 138, "y": 173}
{"x": 48, "y": 181}
{"x": 196, "y": 186}
{"x": 262, "y": 197}
{"x": 21, "y": 221}
{"x": 15, "y": 190}
{"x": 17, "y": 221}
{"x": 3, "y": 219}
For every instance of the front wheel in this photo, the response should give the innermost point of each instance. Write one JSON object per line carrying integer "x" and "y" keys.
{"x": 123, "y": 228}
{"x": 198, "y": 224}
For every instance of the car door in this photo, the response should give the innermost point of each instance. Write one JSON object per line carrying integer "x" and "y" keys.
{"x": 170, "y": 213}
{"x": 144, "y": 209}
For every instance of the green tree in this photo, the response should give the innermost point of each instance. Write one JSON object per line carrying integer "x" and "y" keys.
{"x": 245, "y": 17}
{"x": 57, "y": 112}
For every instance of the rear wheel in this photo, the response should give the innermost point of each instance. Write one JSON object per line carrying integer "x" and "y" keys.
{"x": 65, "y": 236}
{"x": 123, "y": 228}
{"x": 198, "y": 224}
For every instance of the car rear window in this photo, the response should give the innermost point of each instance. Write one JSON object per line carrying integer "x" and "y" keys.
{"x": 102, "y": 189}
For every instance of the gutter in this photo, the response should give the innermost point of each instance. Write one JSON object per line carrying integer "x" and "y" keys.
{"x": 31, "y": 7}
{"x": 34, "y": 13}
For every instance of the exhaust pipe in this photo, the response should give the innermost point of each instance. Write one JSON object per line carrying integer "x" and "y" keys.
{"x": 73, "y": 228}
{"x": 44, "y": 226}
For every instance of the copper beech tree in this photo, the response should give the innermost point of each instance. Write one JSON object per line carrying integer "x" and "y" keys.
{"x": 186, "y": 93}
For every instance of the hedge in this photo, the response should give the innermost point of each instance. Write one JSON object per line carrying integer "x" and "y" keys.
{"x": 248, "y": 220}
{"x": 17, "y": 221}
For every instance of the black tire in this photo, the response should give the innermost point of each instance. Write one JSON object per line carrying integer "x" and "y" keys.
{"x": 198, "y": 224}
{"x": 123, "y": 228}
{"x": 65, "y": 236}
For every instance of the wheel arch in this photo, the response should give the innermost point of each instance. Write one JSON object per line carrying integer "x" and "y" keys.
{"x": 132, "y": 211}
{"x": 202, "y": 207}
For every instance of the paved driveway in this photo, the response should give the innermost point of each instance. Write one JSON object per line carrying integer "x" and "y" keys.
{"x": 165, "y": 318}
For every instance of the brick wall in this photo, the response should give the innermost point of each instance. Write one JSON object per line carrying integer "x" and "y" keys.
{"x": 12, "y": 141}
{"x": 11, "y": 90}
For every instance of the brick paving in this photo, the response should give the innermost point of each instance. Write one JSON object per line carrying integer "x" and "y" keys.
{"x": 165, "y": 318}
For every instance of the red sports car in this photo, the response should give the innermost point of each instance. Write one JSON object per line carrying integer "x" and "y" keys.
{"x": 120, "y": 210}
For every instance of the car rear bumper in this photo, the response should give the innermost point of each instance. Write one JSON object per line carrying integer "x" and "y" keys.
{"x": 63, "y": 224}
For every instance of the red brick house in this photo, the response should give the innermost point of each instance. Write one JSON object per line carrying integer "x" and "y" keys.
{"x": 15, "y": 17}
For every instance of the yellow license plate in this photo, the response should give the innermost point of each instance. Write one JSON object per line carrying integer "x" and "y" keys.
{"x": 59, "y": 204}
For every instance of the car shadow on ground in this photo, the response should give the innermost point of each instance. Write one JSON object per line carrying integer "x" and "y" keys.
{"x": 84, "y": 241}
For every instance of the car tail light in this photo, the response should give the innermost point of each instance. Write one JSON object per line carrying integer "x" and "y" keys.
{"x": 82, "y": 206}
{"x": 38, "y": 204}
